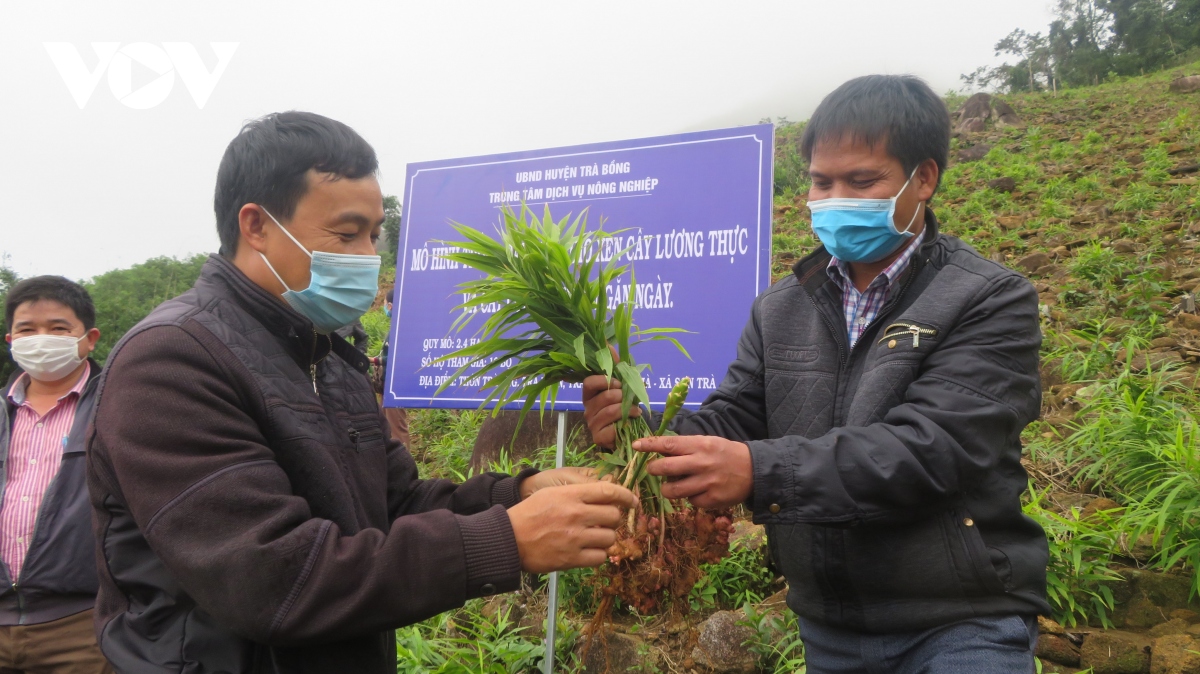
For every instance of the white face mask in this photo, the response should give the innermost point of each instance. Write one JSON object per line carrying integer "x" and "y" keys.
{"x": 47, "y": 357}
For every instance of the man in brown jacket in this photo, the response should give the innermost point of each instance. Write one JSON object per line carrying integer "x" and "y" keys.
{"x": 252, "y": 513}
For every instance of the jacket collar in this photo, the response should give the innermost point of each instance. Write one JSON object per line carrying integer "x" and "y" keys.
{"x": 810, "y": 270}
{"x": 303, "y": 342}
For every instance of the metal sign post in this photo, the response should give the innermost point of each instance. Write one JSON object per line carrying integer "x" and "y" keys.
{"x": 552, "y": 586}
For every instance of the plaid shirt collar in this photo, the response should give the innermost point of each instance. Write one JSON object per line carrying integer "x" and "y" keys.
{"x": 862, "y": 308}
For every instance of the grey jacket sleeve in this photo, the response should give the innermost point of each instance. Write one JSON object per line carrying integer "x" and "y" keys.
{"x": 967, "y": 406}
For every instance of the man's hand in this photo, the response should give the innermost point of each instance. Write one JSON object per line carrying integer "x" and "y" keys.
{"x": 710, "y": 472}
{"x": 602, "y": 408}
{"x": 568, "y": 527}
{"x": 558, "y": 477}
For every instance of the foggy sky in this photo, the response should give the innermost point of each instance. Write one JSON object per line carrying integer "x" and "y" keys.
{"x": 86, "y": 190}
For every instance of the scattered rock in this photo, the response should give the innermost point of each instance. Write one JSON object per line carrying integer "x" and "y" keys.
{"x": 1031, "y": 263}
{"x": 978, "y": 106}
{"x": 1189, "y": 321}
{"x": 747, "y": 534}
{"x": 1008, "y": 222}
{"x": 1050, "y": 626}
{"x": 611, "y": 652}
{"x": 1124, "y": 246}
{"x": 1172, "y": 626}
{"x": 502, "y": 603}
{"x": 775, "y": 601}
{"x": 1186, "y": 615}
{"x": 1005, "y": 115}
{"x": 1057, "y": 649}
{"x": 1144, "y": 361}
{"x": 970, "y": 125}
{"x": 1003, "y": 184}
{"x": 1186, "y": 168}
{"x": 1116, "y": 652}
{"x": 1097, "y": 506}
{"x": 1147, "y": 598}
{"x": 1186, "y": 85}
{"x": 974, "y": 153}
{"x": 1175, "y": 654}
{"x": 719, "y": 646}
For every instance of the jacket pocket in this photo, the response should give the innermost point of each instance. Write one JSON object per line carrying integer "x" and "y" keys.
{"x": 979, "y": 555}
{"x": 902, "y": 561}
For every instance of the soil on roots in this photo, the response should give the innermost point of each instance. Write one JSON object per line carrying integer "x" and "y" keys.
{"x": 653, "y": 565}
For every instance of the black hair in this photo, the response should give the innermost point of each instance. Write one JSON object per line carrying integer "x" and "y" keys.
{"x": 900, "y": 109}
{"x": 56, "y": 289}
{"x": 266, "y": 164}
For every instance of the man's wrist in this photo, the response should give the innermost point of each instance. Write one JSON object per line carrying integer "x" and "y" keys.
{"x": 508, "y": 491}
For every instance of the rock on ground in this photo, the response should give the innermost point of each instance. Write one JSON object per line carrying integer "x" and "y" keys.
{"x": 1116, "y": 652}
{"x": 1175, "y": 654}
{"x": 1147, "y": 598}
{"x": 974, "y": 153}
{"x": 1186, "y": 85}
{"x": 1057, "y": 649}
{"x": 1003, "y": 184}
{"x": 1005, "y": 115}
{"x": 720, "y": 645}
{"x": 747, "y": 534}
{"x": 977, "y": 106}
{"x": 611, "y": 653}
{"x": 1031, "y": 263}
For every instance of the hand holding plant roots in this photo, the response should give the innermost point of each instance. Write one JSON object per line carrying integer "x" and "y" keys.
{"x": 550, "y": 320}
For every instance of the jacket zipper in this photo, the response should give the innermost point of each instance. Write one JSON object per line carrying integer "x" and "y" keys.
{"x": 844, "y": 356}
{"x": 915, "y": 330}
{"x": 313, "y": 361}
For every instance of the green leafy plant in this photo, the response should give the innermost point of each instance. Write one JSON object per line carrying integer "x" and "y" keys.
{"x": 776, "y": 642}
{"x": 739, "y": 579}
{"x": 1077, "y": 576}
{"x": 1142, "y": 438}
{"x": 545, "y": 290}
{"x": 554, "y": 322}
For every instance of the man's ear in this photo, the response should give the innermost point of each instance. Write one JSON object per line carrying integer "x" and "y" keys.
{"x": 93, "y": 336}
{"x": 251, "y": 222}
{"x": 927, "y": 179}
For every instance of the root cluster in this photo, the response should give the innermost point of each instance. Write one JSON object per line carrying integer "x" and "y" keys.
{"x": 660, "y": 561}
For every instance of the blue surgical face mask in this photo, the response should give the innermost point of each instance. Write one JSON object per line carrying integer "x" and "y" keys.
{"x": 860, "y": 230}
{"x": 341, "y": 289}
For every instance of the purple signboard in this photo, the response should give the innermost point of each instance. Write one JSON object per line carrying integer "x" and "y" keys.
{"x": 696, "y": 213}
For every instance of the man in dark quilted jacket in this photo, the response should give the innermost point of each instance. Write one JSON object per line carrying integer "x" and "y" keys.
{"x": 252, "y": 512}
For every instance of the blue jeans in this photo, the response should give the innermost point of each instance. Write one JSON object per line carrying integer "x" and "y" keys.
{"x": 997, "y": 645}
